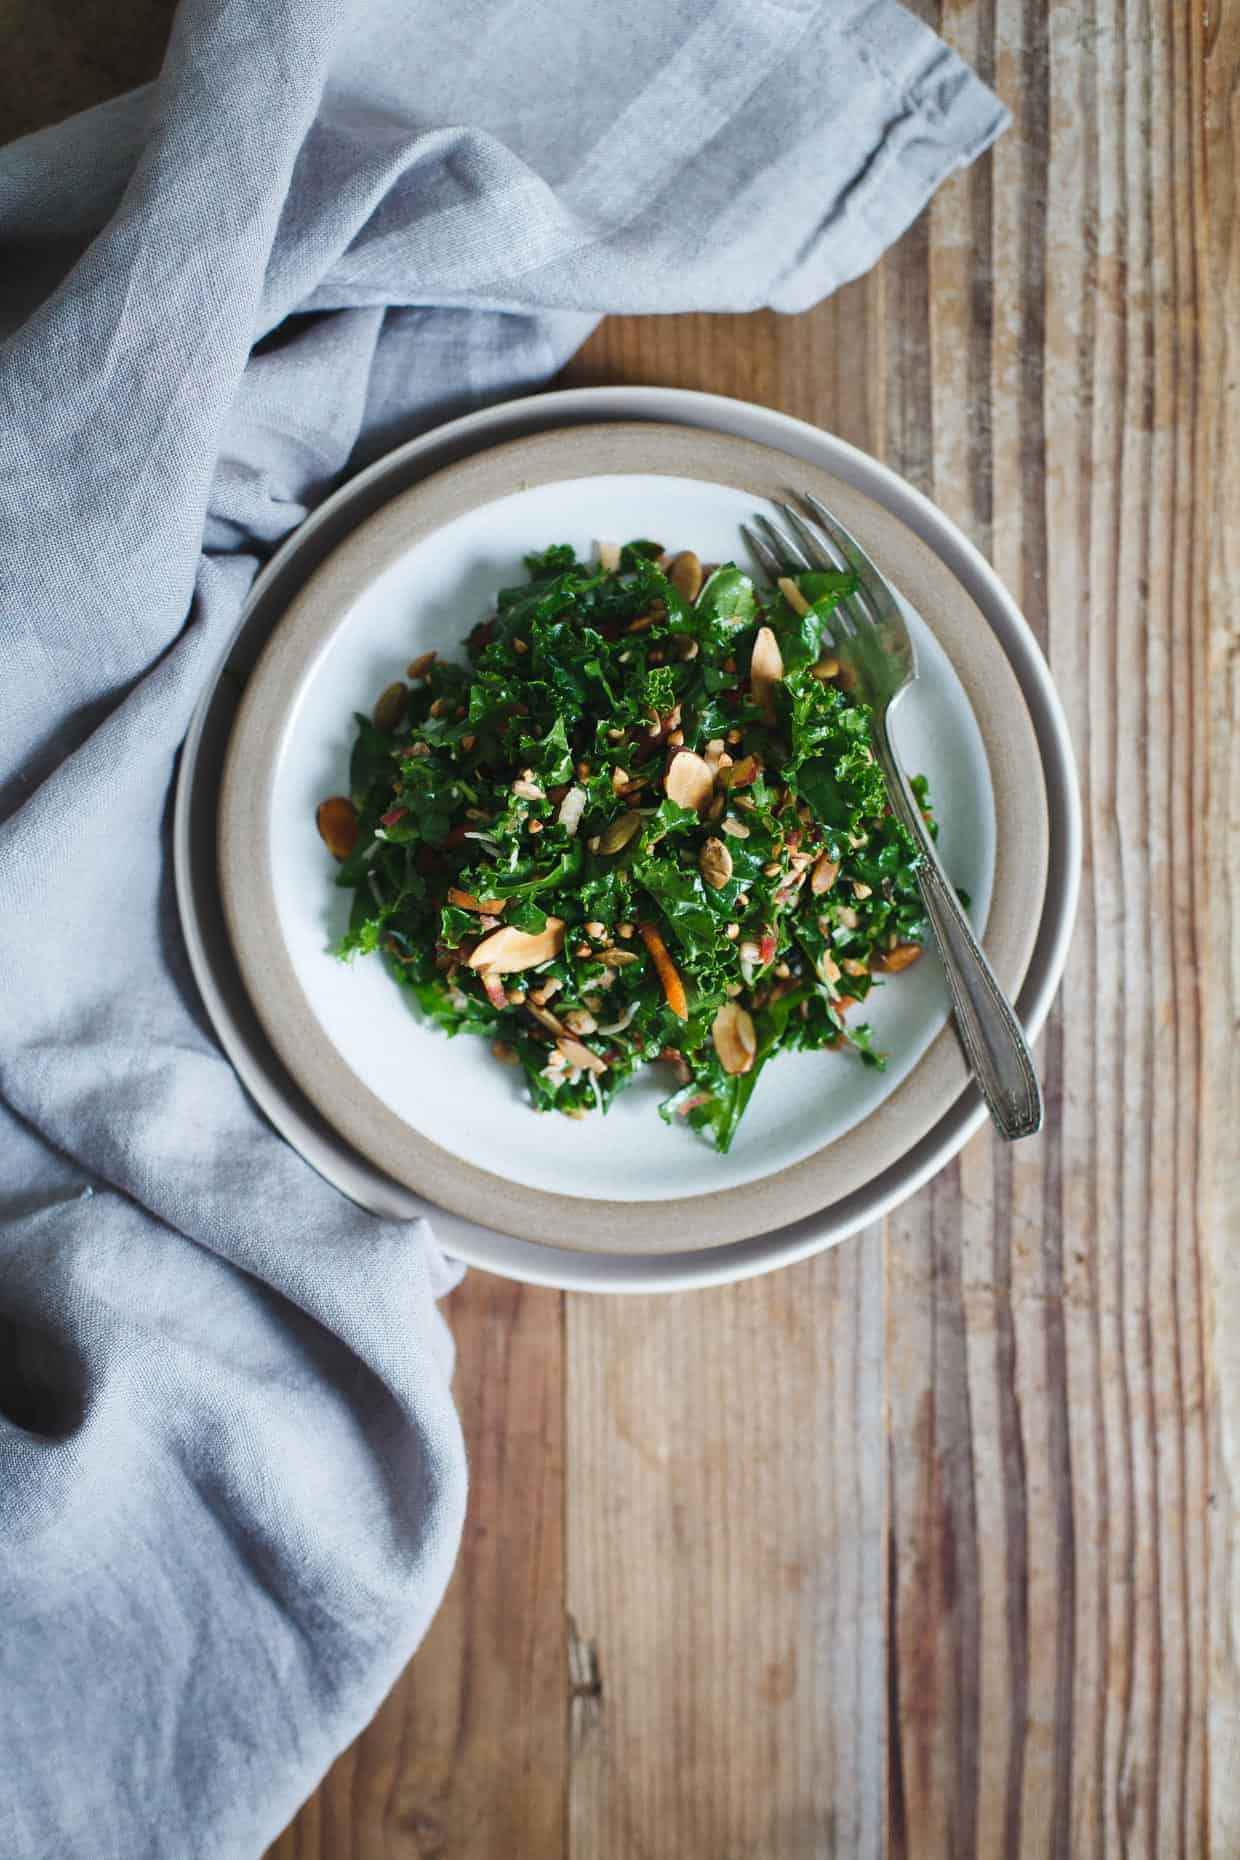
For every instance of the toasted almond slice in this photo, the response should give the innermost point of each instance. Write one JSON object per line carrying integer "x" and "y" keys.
{"x": 715, "y": 864}
{"x": 508, "y": 951}
{"x": 419, "y": 667}
{"x": 826, "y": 871}
{"x": 689, "y": 780}
{"x": 734, "y": 1038}
{"x": 766, "y": 669}
{"x": 685, "y": 574}
{"x": 744, "y": 771}
{"x": 572, "y": 807}
{"x": 466, "y": 901}
{"x": 551, "y": 1022}
{"x": 618, "y": 832}
{"x": 608, "y": 557}
{"x": 669, "y": 975}
{"x": 580, "y": 1056}
{"x": 391, "y": 706}
{"x": 793, "y": 595}
{"x": 336, "y": 820}
{"x": 901, "y": 957}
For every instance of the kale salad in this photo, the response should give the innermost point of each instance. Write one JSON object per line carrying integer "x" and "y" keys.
{"x": 641, "y": 824}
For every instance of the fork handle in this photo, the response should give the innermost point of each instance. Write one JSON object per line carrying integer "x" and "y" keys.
{"x": 989, "y": 1031}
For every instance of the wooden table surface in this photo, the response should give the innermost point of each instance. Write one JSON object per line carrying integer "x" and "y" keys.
{"x": 924, "y": 1547}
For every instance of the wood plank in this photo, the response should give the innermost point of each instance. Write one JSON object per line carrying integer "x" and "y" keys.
{"x": 1046, "y": 1321}
{"x": 467, "y": 1756}
{"x": 724, "y": 1564}
{"x": 1216, "y": 801}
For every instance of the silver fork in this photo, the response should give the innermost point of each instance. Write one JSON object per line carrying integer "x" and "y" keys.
{"x": 875, "y": 651}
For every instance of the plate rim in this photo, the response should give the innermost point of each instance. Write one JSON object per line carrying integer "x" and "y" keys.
{"x": 210, "y": 956}
{"x": 311, "y": 620}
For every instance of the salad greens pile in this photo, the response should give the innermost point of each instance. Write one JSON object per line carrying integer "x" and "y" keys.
{"x": 642, "y": 824}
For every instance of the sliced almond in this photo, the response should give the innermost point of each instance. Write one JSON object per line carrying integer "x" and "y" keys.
{"x": 685, "y": 574}
{"x": 466, "y": 901}
{"x": 735, "y": 1041}
{"x": 735, "y": 829}
{"x": 508, "y": 951}
{"x": 609, "y": 557}
{"x": 572, "y": 807}
{"x": 336, "y": 820}
{"x": 793, "y": 595}
{"x": 391, "y": 706}
{"x": 744, "y": 770}
{"x": 580, "y": 1056}
{"x": 715, "y": 864}
{"x": 551, "y": 1022}
{"x": 826, "y": 871}
{"x": 689, "y": 780}
{"x": 528, "y": 790}
{"x": 580, "y": 1020}
{"x": 419, "y": 667}
{"x": 766, "y": 669}
{"x": 852, "y": 965}
{"x": 669, "y": 975}
{"x": 618, "y": 832}
{"x": 901, "y": 957}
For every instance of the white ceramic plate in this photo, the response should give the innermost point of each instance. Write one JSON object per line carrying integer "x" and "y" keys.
{"x": 442, "y": 1116}
{"x": 215, "y": 968}
{"x": 454, "y": 1092}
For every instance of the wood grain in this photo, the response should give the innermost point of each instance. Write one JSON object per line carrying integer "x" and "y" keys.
{"x": 467, "y": 1757}
{"x": 724, "y": 1561}
{"x": 1216, "y": 799}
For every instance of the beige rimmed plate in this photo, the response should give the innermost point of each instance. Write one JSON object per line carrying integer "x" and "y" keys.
{"x": 439, "y": 1115}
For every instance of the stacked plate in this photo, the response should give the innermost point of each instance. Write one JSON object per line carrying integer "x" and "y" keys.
{"x": 407, "y": 557}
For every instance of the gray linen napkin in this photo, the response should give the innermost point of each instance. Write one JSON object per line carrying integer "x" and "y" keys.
{"x": 231, "y": 1477}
